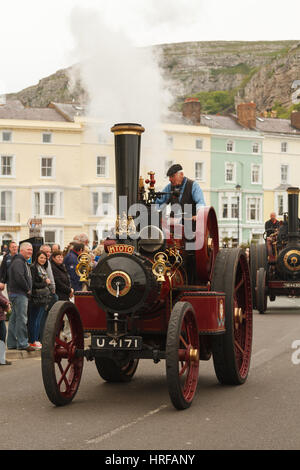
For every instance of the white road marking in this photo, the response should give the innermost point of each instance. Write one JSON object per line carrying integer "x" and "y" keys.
{"x": 258, "y": 353}
{"x": 110, "y": 434}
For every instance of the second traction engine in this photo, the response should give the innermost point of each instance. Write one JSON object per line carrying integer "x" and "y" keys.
{"x": 275, "y": 264}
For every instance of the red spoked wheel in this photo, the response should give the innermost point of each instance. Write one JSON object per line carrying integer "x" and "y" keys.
{"x": 61, "y": 364}
{"x": 182, "y": 355}
{"x": 232, "y": 350}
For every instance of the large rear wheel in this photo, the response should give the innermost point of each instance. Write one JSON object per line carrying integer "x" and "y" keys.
{"x": 232, "y": 350}
{"x": 182, "y": 355}
{"x": 61, "y": 364}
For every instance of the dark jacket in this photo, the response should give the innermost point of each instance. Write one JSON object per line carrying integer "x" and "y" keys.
{"x": 38, "y": 281}
{"x": 5, "y": 267}
{"x": 71, "y": 261}
{"x": 20, "y": 280}
{"x": 3, "y": 306}
{"x": 271, "y": 226}
{"x": 62, "y": 281}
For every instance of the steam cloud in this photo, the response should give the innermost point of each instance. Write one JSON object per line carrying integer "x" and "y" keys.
{"x": 123, "y": 80}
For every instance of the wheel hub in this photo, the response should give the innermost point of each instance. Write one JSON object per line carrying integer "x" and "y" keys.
{"x": 194, "y": 355}
{"x": 238, "y": 316}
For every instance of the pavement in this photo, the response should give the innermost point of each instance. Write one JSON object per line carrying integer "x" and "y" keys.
{"x": 12, "y": 354}
{"x": 21, "y": 354}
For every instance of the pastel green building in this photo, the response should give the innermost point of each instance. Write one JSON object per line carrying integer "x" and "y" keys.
{"x": 236, "y": 180}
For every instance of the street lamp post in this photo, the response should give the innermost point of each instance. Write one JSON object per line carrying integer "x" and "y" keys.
{"x": 238, "y": 189}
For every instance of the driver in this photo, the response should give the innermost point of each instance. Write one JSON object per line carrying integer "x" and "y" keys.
{"x": 272, "y": 224}
{"x": 187, "y": 195}
{"x": 181, "y": 190}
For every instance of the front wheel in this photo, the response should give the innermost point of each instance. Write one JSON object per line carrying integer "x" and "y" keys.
{"x": 182, "y": 355}
{"x": 61, "y": 365}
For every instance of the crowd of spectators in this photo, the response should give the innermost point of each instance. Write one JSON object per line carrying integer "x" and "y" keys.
{"x": 30, "y": 285}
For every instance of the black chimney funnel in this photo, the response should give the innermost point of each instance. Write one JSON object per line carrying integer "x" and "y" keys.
{"x": 293, "y": 224}
{"x": 127, "y": 162}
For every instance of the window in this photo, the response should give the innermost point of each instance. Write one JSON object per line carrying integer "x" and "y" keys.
{"x": 229, "y": 172}
{"x": 199, "y": 171}
{"x": 234, "y": 208}
{"x": 47, "y": 167}
{"x": 47, "y": 138}
{"x": 6, "y": 136}
{"x": 53, "y": 235}
{"x": 95, "y": 203}
{"x": 229, "y": 207}
{"x": 48, "y": 203}
{"x": 6, "y": 206}
{"x": 283, "y": 147}
{"x": 229, "y": 146}
{"x": 284, "y": 174}
{"x": 102, "y": 169}
{"x": 102, "y": 202}
{"x": 6, "y": 168}
{"x": 255, "y": 173}
{"x": 254, "y": 209}
{"x": 49, "y": 236}
{"x": 255, "y": 147}
{"x": 106, "y": 203}
{"x": 199, "y": 144}
{"x": 280, "y": 204}
{"x": 225, "y": 208}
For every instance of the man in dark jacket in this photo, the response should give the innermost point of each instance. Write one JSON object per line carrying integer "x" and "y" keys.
{"x": 272, "y": 224}
{"x": 19, "y": 288}
{"x": 13, "y": 250}
{"x": 71, "y": 261}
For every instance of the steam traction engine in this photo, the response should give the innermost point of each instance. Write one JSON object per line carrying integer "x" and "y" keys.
{"x": 151, "y": 297}
{"x": 275, "y": 264}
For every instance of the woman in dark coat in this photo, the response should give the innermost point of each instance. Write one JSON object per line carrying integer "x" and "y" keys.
{"x": 40, "y": 298}
{"x": 63, "y": 287}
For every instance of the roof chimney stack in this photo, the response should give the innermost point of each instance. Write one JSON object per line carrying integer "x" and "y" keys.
{"x": 246, "y": 114}
{"x": 191, "y": 109}
{"x": 295, "y": 119}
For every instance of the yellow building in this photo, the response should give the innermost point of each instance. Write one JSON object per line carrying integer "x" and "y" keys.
{"x": 281, "y": 163}
{"x": 57, "y": 166}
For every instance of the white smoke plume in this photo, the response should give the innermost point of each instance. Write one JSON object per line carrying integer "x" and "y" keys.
{"x": 123, "y": 80}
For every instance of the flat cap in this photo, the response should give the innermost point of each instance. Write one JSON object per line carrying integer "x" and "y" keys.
{"x": 173, "y": 169}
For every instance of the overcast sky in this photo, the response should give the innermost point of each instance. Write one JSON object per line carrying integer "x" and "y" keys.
{"x": 36, "y": 37}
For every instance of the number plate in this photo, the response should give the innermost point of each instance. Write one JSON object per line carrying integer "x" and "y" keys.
{"x": 296, "y": 285}
{"x": 126, "y": 342}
